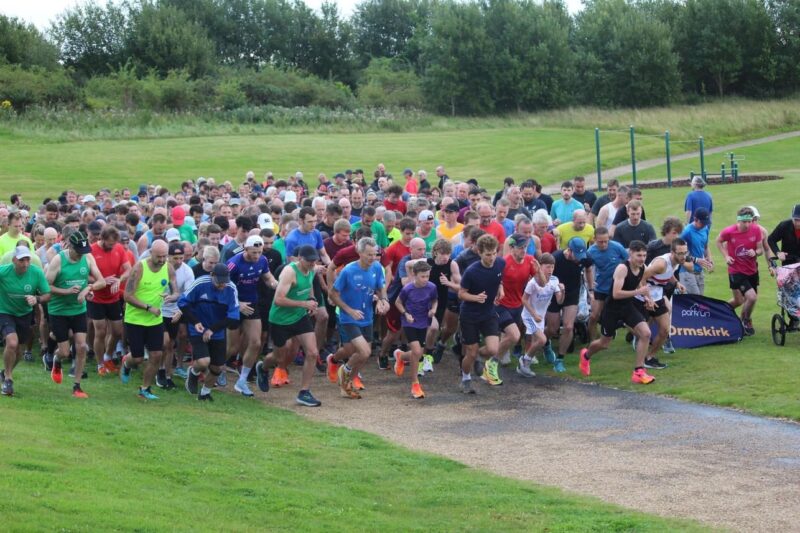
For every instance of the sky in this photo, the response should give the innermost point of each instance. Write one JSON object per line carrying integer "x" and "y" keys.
{"x": 42, "y": 12}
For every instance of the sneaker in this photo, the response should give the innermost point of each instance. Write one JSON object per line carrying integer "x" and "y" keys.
{"x": 305, "y": 397}
{"x": 110, "y": 366}
{"x": 534, "y": 360}
{"x": 161, "y": 378}
{"x": 466, "y": 386}
{"x": 28, "y": 356}
{"x": 170, "y": 385}
{"x": 102, "y": 371}
{"x": 506, "y": 359}
{"x": 47, "y": 361}
{"x": 222, "y": 380}
{"x": 278, "y": 379}
{"x": 629, "y": 337}
{"x": 146, "y": 394}
{"x": 491, "y": 373}
{"x": 559, "y": 366}
{"x": 549, "y": 354}
{"x": 56, "y": 374}
{"x": 668, "y": 347}
{"x": 333, "y": 368}
{"x": 262, "y": 377}
{"x": 478, "y": 367}
{"x": 524, "y": 370}
{"x": 652, "y": 362}
{"x": 438, "y": 352}
{"x": 205, "y": 397}
{"x": 416, "y": 391}
{"x": 399, "y": 364}
{"x": 242, "y": 388}
{"x": 357, "y": 383}
{"x": 180, "y": 372}
{"x": 320, "y": 365}
{"x": 8, "y": 387}
{"x": 749, "y": 331}
{"x": 585, "y": 363}
{"x": 124, "y": 373}
{"x": 427, "y": 363}
{"x": 77, "y": 392}
{"x": 192, "y": 380}
{"x": 345, "y": 385}
{"x": 383, "y": 362}
{"x": 640, "y": 376}
{"x": 420, "y": 369}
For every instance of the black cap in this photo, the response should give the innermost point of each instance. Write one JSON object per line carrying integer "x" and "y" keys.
{"x": 452, "y": 207}
{"x": 796, "y": 211}
{"x": 517, "y": 240}
{"x": 95, "y": 227}
{"x": 308, "y": 252}
{"x": 176, "y": 248}
{"x": 79, "y": 242}
{"x": 220, "y": 274}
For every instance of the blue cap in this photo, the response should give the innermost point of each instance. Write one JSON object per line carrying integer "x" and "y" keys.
{"x": 577, "y": 247}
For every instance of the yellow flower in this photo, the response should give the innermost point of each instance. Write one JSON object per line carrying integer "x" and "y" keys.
{"x": 5, "y": 104}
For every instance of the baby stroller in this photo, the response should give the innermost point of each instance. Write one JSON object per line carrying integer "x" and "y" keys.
{"x": 788, "y": 279}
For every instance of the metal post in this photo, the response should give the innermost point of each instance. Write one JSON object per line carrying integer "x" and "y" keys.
{"x": 736, "y": 171}
{"x": 669, "y": 164}
{"x": 722, "y": 173}
{"x": 633, "y": 155}
{"x": 597, "y": 152}
{"x": 702, "y": 160}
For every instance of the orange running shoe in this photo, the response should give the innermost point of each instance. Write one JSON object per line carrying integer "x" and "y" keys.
{"x": 357, "y": 383}
{"x": 585, "y": 363}
{"x": 279, "y": 378}
{"x": 333, "y": 368}
{"x": 641, "y": 376}
{"x": 416, "y": 391}
{"x": 399, "y": 364}
{"x": 111, "y": 367}
{"x": 77, "y": 392}
{"x": 102, "y": 371}
{"x": 55, "y": 373}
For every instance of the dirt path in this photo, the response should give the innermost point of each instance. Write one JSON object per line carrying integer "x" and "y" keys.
{"x": 647, "y": 453}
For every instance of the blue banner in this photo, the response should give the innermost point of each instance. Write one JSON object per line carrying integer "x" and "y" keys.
{"x": 700, "y": 321}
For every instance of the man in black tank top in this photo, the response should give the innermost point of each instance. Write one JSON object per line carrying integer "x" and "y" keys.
{"x": 629, "y": 282}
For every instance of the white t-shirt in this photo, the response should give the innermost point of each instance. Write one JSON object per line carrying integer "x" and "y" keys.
{"x": 539, "y": 297}
{"x": 184, "y": 276}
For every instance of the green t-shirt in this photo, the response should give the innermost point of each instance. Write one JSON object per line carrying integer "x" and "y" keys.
{"x": 300, "y": 291}
{"x": 429, "y": 241}
{"x": 15, "y": 288}
{"x": 378, "y": 232}
{"x": 280, "y": 245}
{"x": 187, "y": 233}
{"x": 8, "y": 243}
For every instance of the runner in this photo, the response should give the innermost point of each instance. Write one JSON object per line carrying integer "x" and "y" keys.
{"x": 480, "y": 288}
{"x": 606, "y": 255}
{"x": 520, "y": 267}
{"x": 174, "y": 328}
{"x": 539, "y": 292}
{"x": 447, "y": 278}
{"x": 291, "y": 325}
{"x": 623, "y": 308}
{"x": 210, "y": 307}
{"x": 68, "y": 275}
{"x": 23, "y": 286}
{"x": 563, "y": 209}
{"x": 151, "y": 280}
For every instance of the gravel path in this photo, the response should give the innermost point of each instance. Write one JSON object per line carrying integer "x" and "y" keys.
{"x": 648, "y": 453}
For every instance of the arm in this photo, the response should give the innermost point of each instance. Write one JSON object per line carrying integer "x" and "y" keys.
{"x": 619, "y": 281}
{"x": 336, "y": 298}
{"x": 53, "y": 269}
{"x": 141, "y": 244}
{"x": 130, "y": 291}
{"x": 286, "y": 281}
{"x": 94, "y": 272}
{"x": 721, "y": 240}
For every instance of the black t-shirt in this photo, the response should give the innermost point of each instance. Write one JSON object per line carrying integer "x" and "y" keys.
{"x": 326, "y": 230}
{"x": 199, "y": 270}
{"x": 656, "y": 248}
{"x": 267, "y": 294}
{"x": 465, "y": 259}
{"x": 599, "y": 203}
{"x": 436, "y": 272}
{"x": 548, "y": 201}
{"x": 588, "y": 197}
{"x": 622, "y": 215}
{"x": 478, "y": 279}
{"x": 568, "y": 272}
{"x": 631, "y": 283}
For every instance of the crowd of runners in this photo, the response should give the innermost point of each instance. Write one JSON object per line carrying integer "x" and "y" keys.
{"x": 249, "y": 280}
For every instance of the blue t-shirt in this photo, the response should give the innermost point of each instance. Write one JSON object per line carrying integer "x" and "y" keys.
{"x": 696, "y": 241}
{"x": 563, "y": 211}
{"x": 296, "y": 238}
{"x": 696, "y": 200}
{"x": 246, "y": 276}
{"x": 418, "y": 301}
{"x": 356, "y": 287}
{"x": 605, "y": 262}
{"x": 210, "y": 305}
{"x": 508, "y": 227}
{"x": 477, "y": 279}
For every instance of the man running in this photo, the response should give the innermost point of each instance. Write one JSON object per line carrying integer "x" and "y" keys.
{"x": 520, "y": 267}
{"x": 174, "y": 327}
{"x": 538, "y": 293}
{"x": 606, "y": 255}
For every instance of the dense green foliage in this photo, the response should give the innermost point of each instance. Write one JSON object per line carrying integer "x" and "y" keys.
{"x": 444, "y": 56}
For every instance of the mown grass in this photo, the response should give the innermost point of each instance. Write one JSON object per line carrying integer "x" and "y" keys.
{"x": 115, "y": 463}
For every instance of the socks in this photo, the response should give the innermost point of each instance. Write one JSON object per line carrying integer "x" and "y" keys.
{"x": 243, "y": 376}
{"x": 466, "y": 376}
{"x": 347, "y": 368}
{"x": 106, "y": 357}
{"x": 205, "y": 390}
{"x": 560, "y": 356}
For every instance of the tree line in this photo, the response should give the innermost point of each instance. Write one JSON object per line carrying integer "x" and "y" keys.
{"x": 467, "y": 58}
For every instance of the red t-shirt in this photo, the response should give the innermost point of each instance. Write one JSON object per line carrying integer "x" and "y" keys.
{"x": 393, "y": 254}
{"x": 515, "y": 278}
{"x": 496, "y": 230}
{"x": 400, "y": 206}
{"x": 549, "y": 244}
{"x": 738, "y": 243}
{"x": 110, "y": 264}
{"x": 345, "y": 256}
{"x": 332, "y": 248}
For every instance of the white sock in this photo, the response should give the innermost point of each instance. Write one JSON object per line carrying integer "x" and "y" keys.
{"x": 244, "y": 374}
{"x": 466, "y": 376}
{"x": 106, "y": 357}
{"x": 205, "y": 390}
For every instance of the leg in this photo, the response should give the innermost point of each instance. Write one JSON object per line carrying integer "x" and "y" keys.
{"x": 153, "y": 364}
{"x": 749, "y": 303}
{"x": 10, "y": 354}
{"x": 309, "y": 342}
{"x": 509, "y": 338}
{"x": 663, "y": 332}
{"x": 568, "y": 314}
{"x": 450, "y": 326}
{"x": 642, "y": 332}
{"x": 594, "y": 318}
{"x": 80, "y": 355}
{"x": 737, "y": 298}
{"x": 101, "y": 330}
{"x": 251, "y": 337}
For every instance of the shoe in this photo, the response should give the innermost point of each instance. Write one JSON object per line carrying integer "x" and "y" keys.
{"x": 357, "y": 383}
{"x": 416, "y": 391}
{"x": 278, "y": 379}
{"x": 28, "y": 356}
{"x": 640, "y": 376}
{"x": 305, "y": 397}
{"x": 8, "y": 387}
{"x": 192, "y": 380}
{"x": 320, "y": 365}
{"x": 491, "y": 373}
{"x": 478, "y": 367}
{"x": 559, "y": 366}
{"x": 124, "y": 373}
{"x": 524, "y": 370}
{"x": 466, "y": 386}
{"x": 299, "y": 359}
{"x": 549, "y": 354}
{"x": 170, "y": 385}
{"x": 585, "y": 365}
{"x": 383, "y": 362}
{"x": 749, "y": 331}
{"x": 47, "y": 361}
{"x": 652, "y": 362}
{"x": 262, "y": 377}
{"x": 242, "y": 388}
{"x": 399, "y": 364}
{"x": 205, "y": 397}
{"x": 518, "y": 351}
{"x": 56, "y": 374}
{"x": 146, "y": 394}
{"x": 180, "y": 372}
{"x": 345, "y": 385}
{"x": 427, "y": 363}
{"x": 629, "y": 337}
{"x": 420, "y": 369}
{"x": 110, "y": 366}
{"x": 333, "y": 368}
{"x": 102, "y": 371}
{"x": 506, "y": 359}
{"x": 77, "y": 392}
{"x": 668, "y": 347}
{"x": 438, "y": 352}
{"x": 534, "y": 360}
{"x": 161, "y": 378}
{"x": 222, "y": 380}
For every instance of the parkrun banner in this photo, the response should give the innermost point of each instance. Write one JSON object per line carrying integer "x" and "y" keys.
{"x": 700, "y": 321}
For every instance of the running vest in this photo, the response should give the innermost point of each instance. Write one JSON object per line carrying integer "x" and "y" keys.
{"x": 300, "y": 292}
{"x": 612, "y": 213}
{"x": 631, "y": 283}
{"x": 72, "y": 275}
{"x": 657, "y": 283}
{"x": 152, "y": 287}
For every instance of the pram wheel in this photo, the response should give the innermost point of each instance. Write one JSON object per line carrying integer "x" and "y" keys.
{"x": 778, "y": 330}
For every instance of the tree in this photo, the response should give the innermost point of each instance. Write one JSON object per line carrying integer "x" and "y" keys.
{"x": 385, "y": 28}
{"x": 390, "y": 83}
{"x": 22, "y": 44}
{"x": 785, "y": 15}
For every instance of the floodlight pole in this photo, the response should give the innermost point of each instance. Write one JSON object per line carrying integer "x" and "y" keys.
{"x": 597, "y": 153}
{"x": 669, "y": 164}
{"x": 633, "y": 155}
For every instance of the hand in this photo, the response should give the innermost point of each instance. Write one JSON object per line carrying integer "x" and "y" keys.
{"x": 74, "y": 289}
{"x": 171, "y": 298}
{"x": 115, "y": 287}
{"x": 207, "y": 335}
{"x": 782, "y": 256}
{"x": 245, "y": 308}
{"x": 382, "y": 307}
{"x": 650, "y": 304}
{"x": 706, "y": 264}
{"x": 729, "y": 260}
{"x": 443, "y": 279}
{"x": 30, "y": 300}
{"x": 536, "y": 318}
{"x": 561, "y": 287}
{"x": 82, "y": 295}
{"x": 199, "y": 328}
{"x": 432, "y": 313}
{"x": 156, "y": 311}
{"x": 681, "y": 288}
{"x": 751, "y": 253}
{"x": 110, "y": 280}
{"x": 320, "y": 269}
{"x": 310, "y": 305}
{"x": 772, "y": 272}
{"x": 176, "y": 317}
{"x": 556, "y": 222}
{"x": 356, "y": 314}
{"x": 480, "y": 298}
{"x": 409, "y": 317}
{"x": 644, "y": 290}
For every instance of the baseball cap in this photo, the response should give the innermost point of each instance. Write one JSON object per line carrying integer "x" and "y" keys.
{"x": 173, "y": 235}
{"x": 408, "y": 172}
{"x": 89, "y": 198}
{"x": 425, "y": 214}
{"x": 339, "y": 176}
{"x": 298, "y": 175}
{"x": 756, "y": 214}
{"x": 518, "y": 240}
{"x": 79, "y": 242}
{"x": 452, "y": 207}
{"x": 702, "y": 214}
{"x": 308, "y": 252}
{"x": 235, "y": 201}
{"x": 175, "y": 248}
{"x": 698, "y": 181}
{"x": 124, "y": 236}
{"x": 253, "y": 240}
{"x": 264, "y": 221}
{"x": 94, "y": 227}
{"x": 796, "y": 211}
{"x": 220, "y": 273}
{"x": 21, "y": 252}
{"x": 578, "y": 248}
{"x": 178, "y": 215}
{"x": 290, "y": 196}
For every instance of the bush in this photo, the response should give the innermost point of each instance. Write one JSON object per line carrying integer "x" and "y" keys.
{"x": 24, "y": 87}
{"x": 389, "y": 83}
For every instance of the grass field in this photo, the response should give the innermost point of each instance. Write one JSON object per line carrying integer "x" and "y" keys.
{"x": 115, "y": 463}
